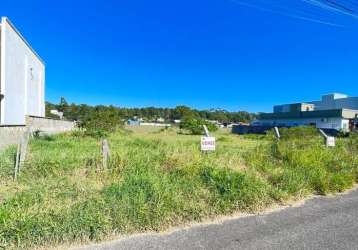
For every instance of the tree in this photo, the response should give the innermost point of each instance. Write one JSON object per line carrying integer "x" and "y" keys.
{"x": 195, "y": 125}
{"x": 182, "y": 111}
{"x": 82, "y": 112}
{"x": 101, "y": 122}
{"x": 48, "y": 107}
{"x": 63, "y": 105}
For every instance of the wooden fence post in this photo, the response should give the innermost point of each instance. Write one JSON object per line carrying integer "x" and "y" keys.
{"x": 17, "y": 161}
{"x": 105, "y": 153}
{"x": 24, "y": 145}
{"x": 21, "y": 153}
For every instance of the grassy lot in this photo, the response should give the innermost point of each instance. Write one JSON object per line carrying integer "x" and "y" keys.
{"x": 157, "y": 179}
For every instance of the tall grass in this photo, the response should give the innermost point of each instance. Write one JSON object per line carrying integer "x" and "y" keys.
{"x": 300, "y": 164}
{"x": 158, "y": 179}
{"x": 7, "y": 163}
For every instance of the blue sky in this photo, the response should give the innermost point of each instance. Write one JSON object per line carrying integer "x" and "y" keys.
{"x": 237, "y": 55}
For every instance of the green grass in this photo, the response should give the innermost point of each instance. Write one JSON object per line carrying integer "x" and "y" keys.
{"x": 157, "y": 179}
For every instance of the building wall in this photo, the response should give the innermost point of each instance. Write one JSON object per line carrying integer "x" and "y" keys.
{"x": 331, "y": 101}
{"x": 49, "y": 126}
{"x": 12, "y": 134}
{"x": 338, "y": 103}
{"x": 281, "y": 108}
{"x": 327, "y": 123}
{"x": 22, "y": 78}
{"x": 1, "y": 71}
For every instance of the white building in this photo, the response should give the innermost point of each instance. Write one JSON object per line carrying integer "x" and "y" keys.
{"x": 57, "y": 113}
{"x": 22, "y": 77}
{"x": 160, "y": 120}
{"x": 327, "y": 102}
{"x": 334, "y": 111}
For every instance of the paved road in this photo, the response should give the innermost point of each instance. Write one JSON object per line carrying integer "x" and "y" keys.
{"x": 320, "y": 223}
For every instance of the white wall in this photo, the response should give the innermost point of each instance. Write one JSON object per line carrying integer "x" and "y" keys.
{"x": 336, "y": 101}
{"x": 22, "y": 78}
{"x": 328, "y": 123}
{"x": 327, "y": 102}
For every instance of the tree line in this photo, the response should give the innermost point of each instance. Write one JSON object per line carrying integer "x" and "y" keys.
{"x": 83, "y": 112}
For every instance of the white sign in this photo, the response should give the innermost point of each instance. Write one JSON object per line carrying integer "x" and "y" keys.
{"x": 331, "y": 141}
{"x": 207, "y": 143}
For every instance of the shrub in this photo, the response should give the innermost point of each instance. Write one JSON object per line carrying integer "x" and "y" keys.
{"x": 341, "y": 181}
{"x": 100, "y": 123}
{"x": 195, "y": 125}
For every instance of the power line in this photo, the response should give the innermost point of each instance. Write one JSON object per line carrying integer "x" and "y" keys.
{"x": 340, "y": 8}
{"x": 292, "y": 15}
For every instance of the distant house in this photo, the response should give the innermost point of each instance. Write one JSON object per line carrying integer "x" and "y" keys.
{"x": 57, "y": 113}
{"x": 133, "y": 122}
{"x": 22, "y": 77}
{"x": 333, "y": 111}
{"x": 160, "y": 120}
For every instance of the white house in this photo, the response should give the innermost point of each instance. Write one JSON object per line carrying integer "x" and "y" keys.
{"x": 160, "y": 120}
{"x": 22, "y": 78}
{"x": 57, "y": 113}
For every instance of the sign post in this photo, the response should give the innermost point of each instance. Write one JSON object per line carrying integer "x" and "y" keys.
{"x": 277, "y": 133}
{"x": 105, "y": 153}
{"x": 207, "y": 141}
{"x": 330, "y": 140}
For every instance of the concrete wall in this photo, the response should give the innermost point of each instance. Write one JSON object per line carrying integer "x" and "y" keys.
{"x": 154, "y": 124}
{"x": 12, "y": 134}
{"x": 22, "y": 78}
{"x": 50, "y": 126}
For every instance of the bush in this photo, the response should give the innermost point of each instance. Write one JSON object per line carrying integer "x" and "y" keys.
{"x": 100, "y": 123}
{"x": 195, "y": 125}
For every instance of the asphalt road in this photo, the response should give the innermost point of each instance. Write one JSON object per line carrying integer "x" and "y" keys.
{"x": 320, "y": 223}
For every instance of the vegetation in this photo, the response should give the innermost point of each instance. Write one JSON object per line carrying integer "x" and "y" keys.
{"x": 195, "y": 125}
{"x": 100, "y": 123}
{"x": 157, "y": 179}
{"x": 82, "y": 111}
